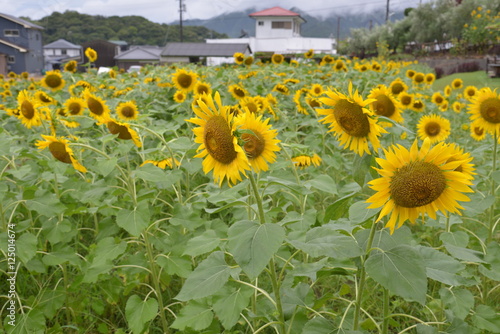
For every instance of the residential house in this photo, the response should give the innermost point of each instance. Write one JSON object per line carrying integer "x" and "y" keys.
{"x": 278, "y": 30}
{"x": 21, "y": 43}
{"x": 138, "y": 55}
{"x": 60, "y": 52}
{"x": 204, "y": 53}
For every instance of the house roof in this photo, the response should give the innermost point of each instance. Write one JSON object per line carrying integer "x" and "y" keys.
{"x": 22, "y": 22}
{"x": 61, "y": 44}
{"x": 275, "y": 11}
{"x": 143, "y": 52}
{"x": 14, "y": 46}
{"x": 204, "y": 49}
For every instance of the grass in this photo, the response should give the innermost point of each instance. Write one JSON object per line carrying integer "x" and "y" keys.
{"x": 479, "y": 79}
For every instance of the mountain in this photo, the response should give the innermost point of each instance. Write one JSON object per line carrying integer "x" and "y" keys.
{"x": 234, "y": 24}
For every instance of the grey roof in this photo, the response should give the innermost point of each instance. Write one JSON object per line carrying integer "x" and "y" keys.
{"x": 143, "y": 52}
{"x": 22, "y": 22}
{"x": 14, "y": 46}
{"x": 62, "y": 44}
{"x": 204, "y": 49}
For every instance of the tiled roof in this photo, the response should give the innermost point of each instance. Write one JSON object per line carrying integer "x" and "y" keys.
{"x": 203, "y": 49}
{"x": 61, "y": 44}
{"x": 140, "y": 52}
{"x": 275, "y": 11}
{"x": 22, "y": 22}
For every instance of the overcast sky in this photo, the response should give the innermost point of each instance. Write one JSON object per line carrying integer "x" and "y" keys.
{"x": 167, "y": 11}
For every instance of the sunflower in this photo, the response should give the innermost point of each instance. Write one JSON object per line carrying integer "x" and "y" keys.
{"x": 437, "y": 98}
{"x": 485, "y": 108}
{"x": 162, "y": 163}
{"x": 385, "y": 103}
{"x": 248, "y": 61}
{"x": 253, "y": 104}
{"x": 237, "y": 91}
{"x": 416, "y": 182}
{"x": 59, "y": 147}
{"x": 218, "y": 145}
{"x": 406, "y": 99}
{"x": 447, "y": 90}
{"x": 91, "y": 54}
{"x": 74, "y": 106}
{"x": 71, "y": 66}
{"x": 303, "y": 161}
{"x": 457, "y": 106}
{"x": 123, "y": 131}
{"x": 353, "y": 124}
{"x": 260, "y": 143}
{"x": 418, "y": 78}
{"x": 44, "y": 98}
{"x": 457, "y": 83}
{"x": 98, "y": 108}
{"x": 312, "y": 101}
{"x": 202, "y": 87}
{"x": 410, "y": 73}
{"x": 309, "y": 54}
{"x": 327, "y": 59}
{"x": 28, "y": 109}
{"x": 280, "y": 88}
{"x": 297, "y": 98}
{"x": 434, "y": 127}
{"x": 418, "y": 106}
{"x": 127, "y": 110}
{"x": 398, "y": 86}
{"x": 179, "y": 96}
{"x": 340, "y": 66}
{"x": 470, "y": 92}
{"x": 477, "y": 132}
{"x": 430, "y": 78}
{"x": 239, "y": 58}
{"x": 316, "y": 89}
{"x": 184, "y": 80}
{"x": 277, "y": 58}
{"x": 53, "y": 80}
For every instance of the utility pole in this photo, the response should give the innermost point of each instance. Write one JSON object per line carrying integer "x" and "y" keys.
{"x": 338, "y": 33}
{"x": 387, "y": 12}
{"x": 182, "y": 8}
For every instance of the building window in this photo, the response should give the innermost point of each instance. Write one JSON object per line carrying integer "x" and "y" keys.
{"x": 11, "y": 59}
{"x": 11, "y": 33}
{"x": 281, "y": 25}
{"x": 64, "y": 51}
{"x": 261, "y": 23}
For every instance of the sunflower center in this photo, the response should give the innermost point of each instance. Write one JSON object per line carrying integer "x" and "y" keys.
{"x": 384, "y": 106}
{"x": 239, "y": 92}
{"x": 128, "y": 112}
{"x": 406, "y": 100}
{"x": 27, "y": 109}
{"x": 397, "y": 88}
{"x": 351, "y": 118}
{"x": 416, "y": 184}
{"x": 184, "y": 80}
{"x": 202, "y": 89}
{"x": 120, "y": 130}
{"x": 313, "y": 103}
{"x": 432, "y": 129}
{"x": 439, "y": 99}
{"x": 478, "y": 131}
{"x": 74, "y": 108}
{"x": 418, "y": 105}
{"x": 254, "y": 144}
{"x": 419, "y": 78}
{"x": 59, "y": 152}
{"x": 471, "y": 92}
{"x": 95, "y": 106}
{"x": 53, "y": 80}
{"x": 490, "y": 110}
{"x": 219, "y": 140}
{"x": 252, "y": 107}
{"x": 45, "y": 99}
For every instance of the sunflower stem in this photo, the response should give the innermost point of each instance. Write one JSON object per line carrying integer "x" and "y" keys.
{"x": 385, "y": 323}
{"x": 272, "y": 267}
{"x": 362, "y": 276}
{"x": 156, "y": 282}
{"x": 493, "y": 186}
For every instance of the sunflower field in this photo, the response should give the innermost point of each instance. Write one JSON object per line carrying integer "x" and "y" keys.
{"x": 316, "y": 196}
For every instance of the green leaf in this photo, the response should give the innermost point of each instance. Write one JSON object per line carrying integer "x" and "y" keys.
{"x": 253, "y": 244}
{"x": 359, "y": 212}
{"x": 361, "y": 168}
{"x": 338, "y": 208}
{"x": 139, "y": 312}
{"x": 459, "y": 301}
{"x": 26, "y": 246}
{"x": 51, "y": 301}
{"x": 425, "y": 329}
{"x": 181, "y": 143}
{"x": 210, "y": 275}
{"x": 492, "y": 267}
{"x": 47, "y": 205}
{"x": 401, "y": 271}
{"x": 105, "y": 252}
{"x": 458, "y": 239}
{"x": 175, "y": 265}
{"x": 134, "y": 221}
{"x": 194, "y": 315}
{"x": 324, "y": 183}
{"x": 229, "y": 307}
{"x": 326, "y": 241}
{"x": 487, "y": 319}
{"x": 203, "y": 243}
{"x": 319, "y": 325}
{"x": 441, "y": 267}
{"x": 106, "y": 166}
{"x": 59, "y": 231}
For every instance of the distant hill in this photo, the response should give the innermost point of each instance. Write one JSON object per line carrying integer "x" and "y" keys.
{"x": 234, "y": 24}
{"x": 135, "y": 30}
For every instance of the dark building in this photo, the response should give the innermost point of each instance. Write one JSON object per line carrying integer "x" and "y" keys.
{"x": 106, "y": 52}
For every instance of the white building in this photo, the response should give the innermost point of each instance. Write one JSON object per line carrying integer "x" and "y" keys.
{"x": 59, "y": 52}
{"x": 277, "y": 30}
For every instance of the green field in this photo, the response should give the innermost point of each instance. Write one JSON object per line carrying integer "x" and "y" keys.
{"x": 478, "y": 79}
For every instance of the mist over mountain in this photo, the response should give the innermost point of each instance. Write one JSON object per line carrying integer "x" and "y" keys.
{"x": 236, "y": 24}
